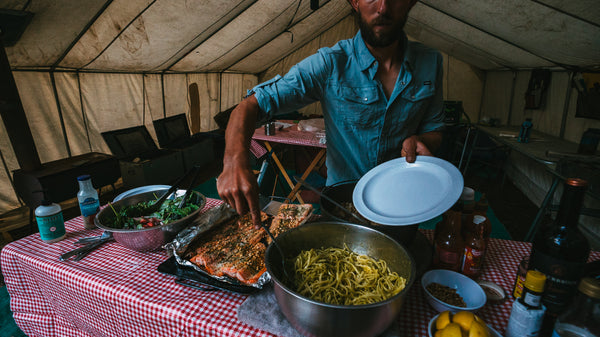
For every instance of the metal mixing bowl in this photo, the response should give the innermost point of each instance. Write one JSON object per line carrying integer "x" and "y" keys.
{"x": 342, "y": 193}
{"x": 312, "y": 318}
{"x": 145, "y": 239}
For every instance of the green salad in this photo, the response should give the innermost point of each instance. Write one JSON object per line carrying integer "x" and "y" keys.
{"x": 133, "y": 217}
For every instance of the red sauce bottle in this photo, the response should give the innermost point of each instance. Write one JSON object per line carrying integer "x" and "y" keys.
{"x": 475, "y": 247}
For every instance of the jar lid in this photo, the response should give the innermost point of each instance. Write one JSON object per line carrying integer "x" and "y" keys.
{"x": 493, "y": 292}
{"x": 83, "y": 177}
{"x": 535, "y": 281}
{"x": 590, "y": 287}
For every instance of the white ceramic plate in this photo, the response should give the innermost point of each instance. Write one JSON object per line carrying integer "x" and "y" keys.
{"x": 398, "y": 193}
{"x": 431, "y": 328}
{"x": 139, "y": 190}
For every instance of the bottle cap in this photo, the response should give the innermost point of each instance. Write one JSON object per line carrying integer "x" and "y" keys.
{"x": 576, "y": 182}
{"x": 467, "y": 194}
{"x": 535, "y": 281}
{"x": 83, "y": 177}
{"x": 478, "y": 219}
{"x": 590, "y": 287}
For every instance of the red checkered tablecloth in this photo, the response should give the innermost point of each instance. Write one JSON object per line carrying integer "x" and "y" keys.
{"x": 118, "y": 292}
{"x": 290, "y": 135}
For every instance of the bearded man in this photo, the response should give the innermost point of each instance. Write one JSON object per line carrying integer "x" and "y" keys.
{"x": 381, "y": 97}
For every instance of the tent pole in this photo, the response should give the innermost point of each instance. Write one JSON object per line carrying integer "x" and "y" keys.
{"x": 563, "y": 122}
{"x": 512, "y": 97}
{"x": 15, "y": 120}
{"x": 60, "y": 114}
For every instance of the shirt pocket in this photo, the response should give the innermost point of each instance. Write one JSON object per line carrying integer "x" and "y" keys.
{"x": 415, "y": 101}
{"x": 357, "y": 106}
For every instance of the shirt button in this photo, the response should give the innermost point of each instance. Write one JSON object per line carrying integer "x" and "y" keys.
{"x": 402, "y": 83}
{"x": 366, "y": 99}
{"x": 413, "y": 97}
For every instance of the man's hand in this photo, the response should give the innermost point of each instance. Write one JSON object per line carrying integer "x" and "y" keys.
{"x": 237, "y": 186}
{"x": 421, "y": 145}
{"x": 413, "y": 146}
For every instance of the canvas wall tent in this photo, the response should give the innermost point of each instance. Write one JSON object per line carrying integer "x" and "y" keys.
{"x": 89, "y": 66}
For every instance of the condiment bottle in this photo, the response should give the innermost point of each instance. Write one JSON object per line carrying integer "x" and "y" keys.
{"x": 560, "y": 251}
{"x": 475, "y": 247}
{"x": 520, "y": 279}
{"x": 89, "y": 204}
{"x": 50, "y": 222}
{"x": 448, "y": 244}
{"x": 525, "y": 131}
{"x": 527, "y": 312}
{"x": 583, "y": 317}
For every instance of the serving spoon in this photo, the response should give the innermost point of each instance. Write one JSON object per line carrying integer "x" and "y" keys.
{"x": 266, "y": 228}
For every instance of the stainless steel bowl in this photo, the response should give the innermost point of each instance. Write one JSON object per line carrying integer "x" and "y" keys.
{"x": 312, "y": 318}
{"x": 342, "y": 193}
{"x": 148, "y": 238}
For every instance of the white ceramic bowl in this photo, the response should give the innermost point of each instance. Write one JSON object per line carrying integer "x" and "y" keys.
{"x": 431, "y": 328}
{"x": 469, "y": 290}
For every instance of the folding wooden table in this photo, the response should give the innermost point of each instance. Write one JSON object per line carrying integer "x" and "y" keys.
{"x": 289, "y": 135}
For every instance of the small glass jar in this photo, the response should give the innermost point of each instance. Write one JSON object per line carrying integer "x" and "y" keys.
{"x": 583, "y": 316}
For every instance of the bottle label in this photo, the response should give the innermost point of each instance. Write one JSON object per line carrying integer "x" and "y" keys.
{"x": 531, "y": 299}
{"x": 523, "y": 321}
{"x": 561, "y": 279}
{"x": 89, "y": 206}
{"x": 472, "y": 261}
{"x": 51, "y": 227}
{"x": 446, "y": 259}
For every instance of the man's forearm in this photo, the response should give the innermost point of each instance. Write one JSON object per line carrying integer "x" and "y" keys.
{"x": 238, "y": 134}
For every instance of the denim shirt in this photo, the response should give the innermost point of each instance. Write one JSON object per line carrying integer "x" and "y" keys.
{"x": 364, "y": 128}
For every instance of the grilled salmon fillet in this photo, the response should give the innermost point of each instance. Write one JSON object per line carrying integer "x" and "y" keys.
{"x": 229, "y": 250}
{"x": 289, "y": 216}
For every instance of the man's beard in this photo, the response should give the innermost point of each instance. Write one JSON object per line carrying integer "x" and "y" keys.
{"x": 384, "y": 39}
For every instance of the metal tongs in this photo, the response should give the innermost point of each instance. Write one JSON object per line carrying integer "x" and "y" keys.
{"x": 335, "y": 203}
{"x": 158, "y": 203}
{"x": 91, "y": 243}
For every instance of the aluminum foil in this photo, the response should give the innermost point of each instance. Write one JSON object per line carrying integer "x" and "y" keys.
{"x": 208, "y": 220}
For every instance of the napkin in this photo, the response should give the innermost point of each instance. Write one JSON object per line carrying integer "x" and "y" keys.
{"x": 260, "y": 310}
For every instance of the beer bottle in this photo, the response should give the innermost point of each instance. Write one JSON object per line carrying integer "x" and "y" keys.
{"x": 560, "y": 251}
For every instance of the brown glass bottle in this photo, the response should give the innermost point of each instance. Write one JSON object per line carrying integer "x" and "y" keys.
{"x": 560, "y": 251}
{"x": 448, "y": 245}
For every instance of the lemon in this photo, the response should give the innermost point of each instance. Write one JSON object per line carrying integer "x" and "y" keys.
{"x": 479, "y": 329}
{"x": 464, "y": 319}
{"x": 443, "y": 320}
{"x": 451, "y": 330}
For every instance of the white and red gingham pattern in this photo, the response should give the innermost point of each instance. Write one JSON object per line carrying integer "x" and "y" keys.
{"x": 291, "y": 136}
{"x": 118, "y": 292}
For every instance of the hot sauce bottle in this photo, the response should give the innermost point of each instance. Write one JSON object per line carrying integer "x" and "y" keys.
{"x": 448, "y": 246}
{"x": 475, "y": 247}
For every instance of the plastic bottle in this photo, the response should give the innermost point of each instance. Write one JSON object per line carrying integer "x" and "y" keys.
{"x": 50, "y": 222}
{"x": 527, "y": 312}
{"x": 525, "y": 131}
{"x": 475, "y": 247}
{"x": 448, "y": 244}
{"x": 582, "y": 319}
{"x": 89, "y": 204}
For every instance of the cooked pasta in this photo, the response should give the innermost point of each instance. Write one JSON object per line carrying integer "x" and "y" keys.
{"x": 341, "y": 277}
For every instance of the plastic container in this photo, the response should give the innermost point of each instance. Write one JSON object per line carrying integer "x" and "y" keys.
{"x": 50, "y": 221}
{"x": 89, "y": 203}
